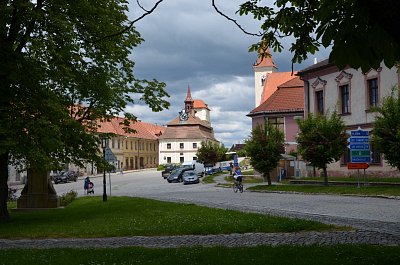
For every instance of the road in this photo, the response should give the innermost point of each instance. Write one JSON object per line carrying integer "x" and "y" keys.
{"x": 366, "y": 213}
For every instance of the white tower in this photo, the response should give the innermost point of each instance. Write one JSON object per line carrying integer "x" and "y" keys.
{"x": 262, "y": 67}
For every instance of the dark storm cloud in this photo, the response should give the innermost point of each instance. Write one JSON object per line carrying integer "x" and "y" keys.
{"x": 188, "y": 42}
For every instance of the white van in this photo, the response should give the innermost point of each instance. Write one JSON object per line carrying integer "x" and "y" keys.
{"x": 196, "y": 166}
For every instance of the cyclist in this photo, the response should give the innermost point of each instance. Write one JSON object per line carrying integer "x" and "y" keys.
{"x": 237, "y": 175}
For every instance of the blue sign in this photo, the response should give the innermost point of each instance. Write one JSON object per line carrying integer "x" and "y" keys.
{"x": 359, "y": 133}
{"x": 359, "y": 146}
{"x": 359, "y": 139}
{"x": 361, "y": 159}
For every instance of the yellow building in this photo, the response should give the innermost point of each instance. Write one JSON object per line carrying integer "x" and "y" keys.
{"x": 133, "y": 150}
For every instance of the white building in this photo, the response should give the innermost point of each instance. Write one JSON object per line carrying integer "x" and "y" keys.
{"x": 353, "y": 94}
{"x": 184, "y": 134}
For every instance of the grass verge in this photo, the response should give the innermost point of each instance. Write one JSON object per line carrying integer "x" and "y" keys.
{"x": 285, "y": 255}
{"x": 317, "y": 189}
{"x": 354, "y": 179}
{"x": 125, "y": 216}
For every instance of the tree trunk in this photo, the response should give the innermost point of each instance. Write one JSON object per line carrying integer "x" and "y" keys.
{"x": 325, "y": 176}
{"x": 267, "y": 178}
{"x": 4, "y": 215}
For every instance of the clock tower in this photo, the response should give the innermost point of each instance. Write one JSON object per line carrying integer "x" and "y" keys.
{"x": 189, "y": 101}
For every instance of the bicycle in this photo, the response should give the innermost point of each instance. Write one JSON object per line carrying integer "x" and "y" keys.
{"x": 237, "y": 186}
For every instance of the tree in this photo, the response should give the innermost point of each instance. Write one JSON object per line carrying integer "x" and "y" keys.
{"x": 322, "y": 140}
{"x": 362, "y": 33}
{"x": 210, "y": 153}
{"x": 64, "y": 66}
{"x": 386, "y": 131}
{"x": 265, "y": 147}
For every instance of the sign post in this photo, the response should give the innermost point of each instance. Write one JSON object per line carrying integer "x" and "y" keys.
{"x": 360, "y": 152}
{"x": 109, "y": 157}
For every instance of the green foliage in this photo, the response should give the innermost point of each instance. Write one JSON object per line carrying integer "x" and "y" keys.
{"x": 361, "y": 33}
{"x": 68, "y": 197}
{"x": 210, "y": 153}
{"x": 386, "y": 131}
{"x": 161, "y": 167}
{"x": 322, "y": 140}
{"x": 60, "y": 74}
{"x": 265, "y": 147}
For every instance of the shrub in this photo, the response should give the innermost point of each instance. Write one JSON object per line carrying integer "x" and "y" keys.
{"x": 11, "y": 194}
{"x": 160, "y": 167}
{"x": 68, "y": 197}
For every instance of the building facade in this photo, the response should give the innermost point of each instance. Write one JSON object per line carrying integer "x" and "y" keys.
{"x": 184, "y": 134}
{"x": 353, "y": 95}
{"x": 279, "y": 100}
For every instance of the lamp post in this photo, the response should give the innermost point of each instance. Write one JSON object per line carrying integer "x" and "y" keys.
{"x": 104, "y": 145}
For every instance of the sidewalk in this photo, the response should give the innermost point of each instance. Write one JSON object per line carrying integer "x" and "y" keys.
{"x": 227, "y": 240}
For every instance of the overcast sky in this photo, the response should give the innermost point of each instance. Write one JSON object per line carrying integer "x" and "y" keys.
{"x": 188, "y": 42}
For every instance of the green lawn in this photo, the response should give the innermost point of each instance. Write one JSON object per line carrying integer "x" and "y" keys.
{"x": 125, "y": 216}
{"x": 368, "y": 190}
{"x": 353, "y": 179}
{"x": 284, "y": 255}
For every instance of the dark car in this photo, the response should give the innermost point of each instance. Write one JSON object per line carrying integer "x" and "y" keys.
{"x": 190, "y": 177}
{"x": 167, "y": 170}
{"x": 65, "y": 176}
{"x": 177, "y": 175}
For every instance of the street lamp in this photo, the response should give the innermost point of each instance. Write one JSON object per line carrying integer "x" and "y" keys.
{"x": 104, "y": 145}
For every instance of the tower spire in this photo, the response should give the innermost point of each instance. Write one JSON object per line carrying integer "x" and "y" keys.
{"x": 189, "y": 100}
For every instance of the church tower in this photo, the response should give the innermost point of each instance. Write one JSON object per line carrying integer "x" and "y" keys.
{"x": 262, "y": 68}
{"x": 189, "y": 101}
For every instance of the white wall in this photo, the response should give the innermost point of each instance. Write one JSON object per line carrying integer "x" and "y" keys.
{"x": 175, "y": 152}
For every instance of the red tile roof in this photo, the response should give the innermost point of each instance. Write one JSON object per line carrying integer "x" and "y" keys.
{"x": 143, "y": 130}
{"x": 192, "y": 128}
{"x": 265, "y": 61}
{"x": 199, "y": 104}
{"x": 272, "y": 81}
{"x": 288, "y": 97}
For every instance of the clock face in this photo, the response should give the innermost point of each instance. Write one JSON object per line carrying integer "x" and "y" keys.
{"x": 183, "y": 116}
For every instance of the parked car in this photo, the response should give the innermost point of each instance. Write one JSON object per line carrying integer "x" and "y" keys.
{"x": 72, "y": 175}
{"x": 167, "y": 170}
{"x": 190, "y": 177}
{"x": 65, "y": 176}
{"x": 196, "y": 166}
{"x": 177, "y": 175}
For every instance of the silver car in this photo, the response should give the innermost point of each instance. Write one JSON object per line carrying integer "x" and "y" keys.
{"x": 190, "y": 177}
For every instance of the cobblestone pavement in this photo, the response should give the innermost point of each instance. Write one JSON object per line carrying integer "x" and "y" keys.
{"x": 230, "y": 240}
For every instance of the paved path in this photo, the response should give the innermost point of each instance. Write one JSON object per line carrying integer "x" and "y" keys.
{"x": 230, "y": 240}
{"x": 369, "y": 231}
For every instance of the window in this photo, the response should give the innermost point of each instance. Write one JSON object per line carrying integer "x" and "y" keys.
{"x": 147, "y": 146}
{"x": 194, "y": 158}
{"x": 375, "y": 155}
{"x": 194, "y": 145}
{"x": 119, "y": 144}
{"x": 181, "y": 145}
{"x": 169, "y": 160}
{"x": 277, "y": 122}
{"x": 113, "y": 143}
{"x": 181, "y": 159}
{"x": 319, "y": 100}
{"x": 344, "y": 99}
{"x": 135, "y": 145}
{"x": 131, "y": 145}
{"x": 263, "y": 80}
{"x": 373, "y": 97}
{"x": 345, "y": 157}
{"x": 168, "y": 146}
